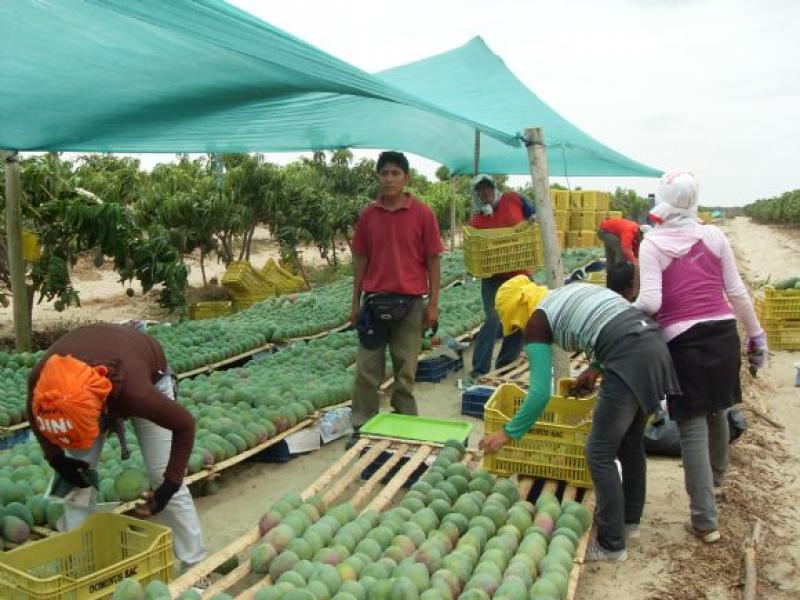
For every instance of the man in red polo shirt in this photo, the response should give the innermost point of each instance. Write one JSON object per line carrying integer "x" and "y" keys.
{"x": 621, "y": 239}
{"x": 396, "y": 248}
{"x": 492, "y": 208}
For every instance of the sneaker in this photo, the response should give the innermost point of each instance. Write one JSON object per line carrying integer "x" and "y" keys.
{"x": 718, "y": 493}
{"x": 201, "y": 585}
{"x": 708, "y": 536}
{"x": 595, "y": 552}
{"x": 632, "y": 531}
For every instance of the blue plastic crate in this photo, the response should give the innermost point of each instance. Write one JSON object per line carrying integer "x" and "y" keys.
{"x": 474, "y": 398}
{"x": 17, "y": 437}
{"x": 435, "y": 369}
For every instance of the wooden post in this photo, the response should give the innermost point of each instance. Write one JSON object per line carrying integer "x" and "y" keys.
{"x": 452, "y": 221}
{"x": 554, "y": 269}
{"x": 476, "y": 157}
{"x": 16, "y": 266}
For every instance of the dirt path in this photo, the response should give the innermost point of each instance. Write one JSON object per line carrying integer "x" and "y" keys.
{"x": 764, "y": 251}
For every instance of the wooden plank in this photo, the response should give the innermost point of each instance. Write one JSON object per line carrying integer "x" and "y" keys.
{"x": 570, "y": 493}
{"x": 367, "y": 488}
{"x": 225, "y": 362}
{"x": 525, "y": 487}
{"x": 550, "y": 487}
{"x": 12, "y": 429}
{"x": 321, "y": 334}
{"x": 580, "y": 553}
{"x": 385, "y": 497}
{"x": 355, "y": 471}
{"x": 251, "y": 591}
{"x": 325, "y": 479}
{"x": 203, "y": 568}
{"x": 222, "y": 584}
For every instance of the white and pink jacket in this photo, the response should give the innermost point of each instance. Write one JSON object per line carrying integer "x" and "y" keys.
{"x": 687, "y": 276}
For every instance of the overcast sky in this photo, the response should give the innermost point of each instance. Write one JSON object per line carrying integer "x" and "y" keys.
{"x": 708, "y": 85}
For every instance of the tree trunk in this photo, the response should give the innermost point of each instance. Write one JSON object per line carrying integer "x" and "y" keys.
{"x": 203, "y": 264}
{"x": 335, "y": 259}
{"x": 250, "y": 241}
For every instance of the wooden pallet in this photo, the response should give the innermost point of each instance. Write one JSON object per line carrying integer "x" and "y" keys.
{"x": 225, "y": 362}
{"x": 331, "y": 485}
{"x": 531, "y": 488}
{"x": 518, "y": 372}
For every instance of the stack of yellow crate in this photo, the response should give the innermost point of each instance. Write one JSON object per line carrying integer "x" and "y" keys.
{"x": 578, "y": 215}
{"x": 779, "y": 314}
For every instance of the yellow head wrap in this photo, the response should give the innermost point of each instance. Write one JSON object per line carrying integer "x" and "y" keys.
{"x": 515, "y": 302}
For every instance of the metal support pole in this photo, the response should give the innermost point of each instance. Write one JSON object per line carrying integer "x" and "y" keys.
{"x": 16, "y": 266}
{"x": 554, "y": 269}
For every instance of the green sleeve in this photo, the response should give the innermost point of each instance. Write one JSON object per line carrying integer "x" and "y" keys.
{"x": 540, "y": 360}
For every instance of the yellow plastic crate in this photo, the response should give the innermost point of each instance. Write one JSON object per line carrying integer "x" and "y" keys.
{"x": 782, "y": 334}
{"x": 596, "y": 277}
{"x": 242, "y": 281}
{"x": 488, "y": 252}
{"x": 590, "y": 200}
{"x": 599, "y": 216}
{"x": 210, "y": 310}
{"x": 560, "y": 199}
{"x": 562, "y": 239}
{"x": 582, "y": 221}
{"x": 283, "y": 281}
{"x": 576, "y": 200}
{"x": 554, "y": 447}
{"x": 778, "y": 304}
{"x": 562, "y": 220}
{"x": 31, "y": 250}
{"x": 705, "y": 216}
{"x": 615, "y": 214}
{"x": 605, "y": 201}
{"x": 88, "y": 562}
{"x": 581, "y": 239}
{"x": 246, "y": 302}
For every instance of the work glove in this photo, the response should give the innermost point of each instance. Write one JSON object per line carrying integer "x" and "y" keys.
{"x": 757, "y": 352}
{"x": 162, "y": 496}
{"x": 72, "y": 470}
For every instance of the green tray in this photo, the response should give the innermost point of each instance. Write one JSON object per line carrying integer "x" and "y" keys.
{"x": 437, "y": 431}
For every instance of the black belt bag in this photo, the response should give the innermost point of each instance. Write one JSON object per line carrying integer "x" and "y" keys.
{"x": 389, "y": 308}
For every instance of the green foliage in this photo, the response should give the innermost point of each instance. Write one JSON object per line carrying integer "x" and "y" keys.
{"x": 783, "y": 209}
{"x": 633, "y": 206}
{"x": 70, "y": 219}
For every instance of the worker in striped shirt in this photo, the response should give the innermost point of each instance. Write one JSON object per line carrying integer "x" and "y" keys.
{"x": 626, "y": 347}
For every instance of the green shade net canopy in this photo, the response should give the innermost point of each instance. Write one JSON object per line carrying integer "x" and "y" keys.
{"x": 164, "y": 76}
{"x": 203, "y": 76}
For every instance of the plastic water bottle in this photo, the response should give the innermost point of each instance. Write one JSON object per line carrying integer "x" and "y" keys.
{"x": 455, "y": 345}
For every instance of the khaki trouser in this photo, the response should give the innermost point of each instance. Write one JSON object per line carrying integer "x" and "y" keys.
{"x": 404, "y": 341}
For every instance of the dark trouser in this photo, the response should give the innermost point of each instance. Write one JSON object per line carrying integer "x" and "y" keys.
{"x": 617, "y": 432}
{"x": 484, "y": 341}
{"x": 613, "y": 248}
{"x": 405, "y": 341}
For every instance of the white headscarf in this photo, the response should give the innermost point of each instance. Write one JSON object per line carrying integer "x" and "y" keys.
{"x": 678, "y": 226}
{"x": 676, "y": 199}
{"x": 478, "y": 206}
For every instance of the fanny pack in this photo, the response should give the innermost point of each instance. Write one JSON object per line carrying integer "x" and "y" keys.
{"x": 388, "y": 308}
